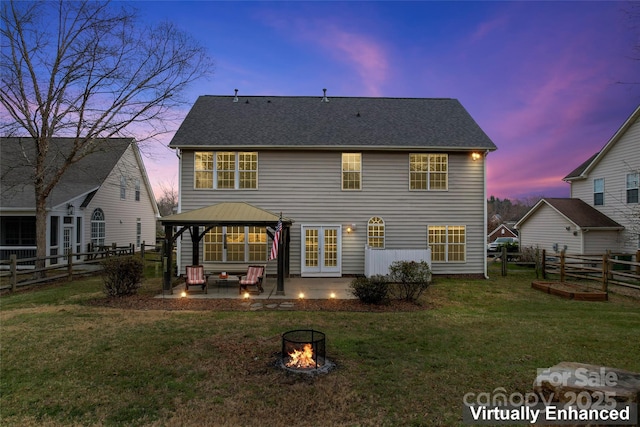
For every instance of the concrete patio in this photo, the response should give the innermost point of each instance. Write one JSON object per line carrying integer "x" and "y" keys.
{"x": 311, "y": 288}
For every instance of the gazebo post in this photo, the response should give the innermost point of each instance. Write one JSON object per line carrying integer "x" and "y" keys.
{"x": 195, "y": 240}
{"x": 167, "y": 258}
{"x": 281, "y": 263}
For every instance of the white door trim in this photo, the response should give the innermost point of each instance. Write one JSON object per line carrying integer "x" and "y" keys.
{"x": 321, "y": 270}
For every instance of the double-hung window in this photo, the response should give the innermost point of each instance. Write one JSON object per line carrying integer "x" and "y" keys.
{"x": 351, "y": 171}
{"x": 428, "y": 171}
{"x": 598, "y": 192}
{"x": 448, "y": 243}
{"x": 137, "y": 193}
{"x": 226, "y": 170}
{"x": 633, "y": 185}
{"x": 123, "y": 187}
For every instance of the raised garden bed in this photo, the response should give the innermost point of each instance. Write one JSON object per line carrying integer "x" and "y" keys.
{"x": 570, "y": 291}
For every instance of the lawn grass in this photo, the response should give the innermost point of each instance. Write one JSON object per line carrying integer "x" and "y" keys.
{"x": 67, "y": 363}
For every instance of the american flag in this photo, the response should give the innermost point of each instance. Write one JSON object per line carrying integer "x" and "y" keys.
{"x": 276, "y": 240}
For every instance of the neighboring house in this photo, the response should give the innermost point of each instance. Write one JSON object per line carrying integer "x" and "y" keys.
{"x": 388, "y": 173}
{"x": 104, "y": 198}
{"x": 503, "y": 230}
{"x": 603, "y": 212}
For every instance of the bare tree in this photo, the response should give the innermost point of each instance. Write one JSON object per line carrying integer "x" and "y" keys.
{"x": 87, "y": 70}
{"x": 168, "y": 199}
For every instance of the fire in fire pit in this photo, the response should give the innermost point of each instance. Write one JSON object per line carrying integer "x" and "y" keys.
{"x": 303, "y": 350}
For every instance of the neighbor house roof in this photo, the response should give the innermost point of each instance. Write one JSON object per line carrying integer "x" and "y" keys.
{"x": 81, "y": 178}
{"x": 583, "y": 170}
{"x": 310, "y": 122}
{"x": 578, "y": 212}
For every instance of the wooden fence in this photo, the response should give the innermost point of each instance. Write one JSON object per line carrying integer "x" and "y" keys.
{"x": 17, "y": 272}
{"x": 607, "y": 269}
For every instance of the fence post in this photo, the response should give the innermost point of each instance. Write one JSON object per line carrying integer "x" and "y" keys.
{"x": 562, "y": 272}
{"x": 70, "y": 266}
{"x": 503, "y": 258}
{"x": 543, "y": 261}
{"x": 14, "y": 271}
{"x": 605, "y": 272}
{"x": 142, "y": 251}
{"x": 638, "y": 261}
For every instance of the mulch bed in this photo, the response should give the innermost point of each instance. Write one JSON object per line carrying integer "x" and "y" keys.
{"x": 141, "y": 302}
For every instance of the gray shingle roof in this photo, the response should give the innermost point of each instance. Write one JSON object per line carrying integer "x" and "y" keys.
{"x": 581, "y": 213}
{"x": 17, "y": 190}
{"x": 307, "y": 122}
{"x": 580, "y": 169}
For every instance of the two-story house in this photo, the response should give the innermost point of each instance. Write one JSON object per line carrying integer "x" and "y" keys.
{"x": 603, "y": 212}
{"x": 102, "y": 199}
{"x": 348, "y": 172}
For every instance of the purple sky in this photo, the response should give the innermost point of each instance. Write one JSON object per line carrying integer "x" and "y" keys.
{"x": 541, "y": 78}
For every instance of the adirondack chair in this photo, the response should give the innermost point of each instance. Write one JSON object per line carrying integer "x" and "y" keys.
{"x": 195, "y": 277}
{"x": 255, "y": 274}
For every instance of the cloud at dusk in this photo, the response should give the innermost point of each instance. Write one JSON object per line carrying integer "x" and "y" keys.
{"x": 541, "y": 78}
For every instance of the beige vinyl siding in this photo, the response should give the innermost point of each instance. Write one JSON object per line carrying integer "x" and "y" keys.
{"x": 120, "y": 215}
{"x": 546, "y": 228}
{"x": 306, "y": 187}
{"x": 595, "y": 241}
{"x": 622, "y": 158}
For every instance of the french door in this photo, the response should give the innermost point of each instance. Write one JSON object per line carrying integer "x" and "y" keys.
{"x": 321, "y": 251}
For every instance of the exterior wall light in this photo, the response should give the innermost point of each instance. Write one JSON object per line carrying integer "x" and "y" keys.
{"x": 351, "y": 228}
{"x": 475, "y": 156}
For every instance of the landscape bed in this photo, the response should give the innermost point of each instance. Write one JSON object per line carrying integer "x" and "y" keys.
{"x": 570, "y": 291}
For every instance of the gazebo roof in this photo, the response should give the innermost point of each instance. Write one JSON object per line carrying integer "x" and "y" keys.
{"x": 226, "y": 213}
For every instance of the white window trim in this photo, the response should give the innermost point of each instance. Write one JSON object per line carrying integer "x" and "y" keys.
{"x": 214, "y": 171}
{"x": 594, "y": 191}
{"x": 342, "y": 172}
{"x": 384, "y": 228}
{"x": 627, "y": 188}
{"x": 446, "y": 244}
{"x": 428, "y": 172}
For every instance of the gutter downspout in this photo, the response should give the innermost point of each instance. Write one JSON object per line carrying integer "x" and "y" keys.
{"x": 484, "y": 202}
{"x": 179, "y": 246}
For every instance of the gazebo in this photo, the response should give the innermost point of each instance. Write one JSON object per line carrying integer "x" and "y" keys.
{"x": 199, "y": 221}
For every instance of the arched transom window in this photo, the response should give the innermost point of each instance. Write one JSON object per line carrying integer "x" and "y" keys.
{"x": 97, "y": 227}
{"x": 375, "y": 232}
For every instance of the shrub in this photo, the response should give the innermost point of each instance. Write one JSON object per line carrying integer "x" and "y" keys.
{"x": 529, "y": 254}
{"x": 122, "y": 275}
{"x": 410, "y": 279}
{"x": 373, "y": 290}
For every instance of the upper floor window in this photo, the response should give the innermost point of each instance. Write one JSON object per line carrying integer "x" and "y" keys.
{"x": 137, "y": 194}
{"x": 123, "y": 187}
{"x": 375, "y": 232}
{"x": 633, "y": 185}
{"x": 448, "y": 242}
{"x": 351, "y": 171}
{"x": 428, "y": 171}
{"x": 226, "y": 170}
{"x": 598, "y": 192}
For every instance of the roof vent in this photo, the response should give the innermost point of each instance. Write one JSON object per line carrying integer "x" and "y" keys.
{"x": 246, "y": 102}
{"x": 324, "y": 97}
{"x": 235, "y": 98}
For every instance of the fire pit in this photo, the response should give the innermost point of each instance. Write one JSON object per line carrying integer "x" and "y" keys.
{"x": 304, "y": 350}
